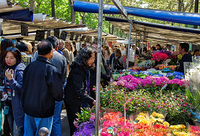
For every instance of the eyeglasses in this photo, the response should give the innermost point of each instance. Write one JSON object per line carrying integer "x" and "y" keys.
{"x": 11, "y": 49}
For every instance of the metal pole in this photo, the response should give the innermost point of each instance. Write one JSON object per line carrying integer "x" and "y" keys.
{"x": 98, "y": 76}
{"x": 1, "y": 20}
{"x": 142, "y": 44}
{"x": 129, "y": 44}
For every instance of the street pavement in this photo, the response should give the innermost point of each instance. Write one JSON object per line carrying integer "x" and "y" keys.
{"x": 64, "y": 123}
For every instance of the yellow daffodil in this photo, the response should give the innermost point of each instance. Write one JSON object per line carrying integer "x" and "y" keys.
{"x": 144, "y": 121}
{"x": 140, "y": 118}
{"x": 181, "y": 133}
{"x": 166, "y": 124}
{"x": 142, "y": 114}
{"x": 177, "y": 126}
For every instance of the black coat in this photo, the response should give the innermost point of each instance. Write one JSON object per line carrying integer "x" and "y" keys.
{"x": 42, "y": 86}
{"x": 185, "y": 58}
{"x": 76, "y": 89}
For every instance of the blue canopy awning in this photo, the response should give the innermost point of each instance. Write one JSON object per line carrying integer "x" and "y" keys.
{"x": 19, "y": 15}
{"x": 177, "y": 17}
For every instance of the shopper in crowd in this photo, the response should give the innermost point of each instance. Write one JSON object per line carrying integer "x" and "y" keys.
{"x": 158, "y": 47}
{"x": 153, "y": 48}
{"x": 186, "y": 57}
{"x": 70, "y": 49}
{"x": 30, "y": 48}
{"x": 61, "y": 47}
{"x": 112, "y": 56}
{"x": 77, "y": 85}
{"x": 196, "y": 52}
{"x": 75, "y": 50}
{"x": 123, "y": 50}
{"x": 59, "y": 61}
{"x": 13, "y": 90}
{"x": 34, "y": 48}
{"x": 107, "y": 54}
{"x": 6, "y": 43}
{"x": 105, "y": 74}
{"x": 132, "y": 55}
{"x": 42, "y": 86}
{"x": 26, "y": 59}
{"x": 118, "y": 62}
{"x": 83, "y": 45}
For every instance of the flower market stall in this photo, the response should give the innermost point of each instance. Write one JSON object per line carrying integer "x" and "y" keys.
{"x": 154, "y": 102}
{"x": 151, "y": 102}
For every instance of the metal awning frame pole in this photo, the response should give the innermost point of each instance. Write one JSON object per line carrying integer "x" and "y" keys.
{"x": 98, "y": 75}
{"x": 129, "y": 44}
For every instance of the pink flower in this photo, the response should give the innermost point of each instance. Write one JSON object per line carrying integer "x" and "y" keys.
{"x": 148, "y": 106}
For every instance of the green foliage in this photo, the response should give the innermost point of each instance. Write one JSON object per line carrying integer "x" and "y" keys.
{"x": 174, "y": 105}
{"x": 84, "y": 115}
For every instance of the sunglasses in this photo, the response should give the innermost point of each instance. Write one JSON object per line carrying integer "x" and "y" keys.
{"x": 11, "y": 49}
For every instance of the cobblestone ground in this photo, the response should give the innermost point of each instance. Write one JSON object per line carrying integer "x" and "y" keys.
{"x": 64, "y": 123}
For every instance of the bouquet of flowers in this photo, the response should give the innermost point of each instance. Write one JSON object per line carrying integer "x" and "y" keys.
{"x": 160, "y": 57}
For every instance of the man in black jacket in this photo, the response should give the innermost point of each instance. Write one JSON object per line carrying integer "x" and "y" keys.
{"x": 186, "y": 57}
{"x": 42, "y": 86}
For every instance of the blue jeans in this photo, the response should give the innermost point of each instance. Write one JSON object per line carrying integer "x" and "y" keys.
{"x": 32, "y": 125}
{"x": 18, "y": 131}
{"x": 56, "y": 129}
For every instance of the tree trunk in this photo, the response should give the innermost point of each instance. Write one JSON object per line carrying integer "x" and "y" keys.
{"x": 109, "y": 28}
{"x": 72, "y": 11}
{"x": 32, "y": 5}
{"x": 112, "y": 29}
{"x": 53, "y": 8}
{"x": 179, "y": 5}
{"x": 83, "y": 18}
{"x": 196, "y": 6}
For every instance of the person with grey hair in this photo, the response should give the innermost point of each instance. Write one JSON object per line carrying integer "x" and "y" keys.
{"x": 78, "y": 84}
{"x": 65, "y": 52}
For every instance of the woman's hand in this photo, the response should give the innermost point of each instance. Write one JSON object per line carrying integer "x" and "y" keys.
{"x": 9, "y": 74}
{"x": 94, "y": 102}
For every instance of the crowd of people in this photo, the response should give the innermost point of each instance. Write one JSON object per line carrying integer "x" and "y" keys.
{"x": 35, "y": 81}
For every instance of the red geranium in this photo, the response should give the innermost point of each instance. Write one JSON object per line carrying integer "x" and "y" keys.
{"x": 160, "y": 56}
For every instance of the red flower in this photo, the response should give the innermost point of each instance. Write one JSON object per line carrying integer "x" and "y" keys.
{"x": 160, "y": 56}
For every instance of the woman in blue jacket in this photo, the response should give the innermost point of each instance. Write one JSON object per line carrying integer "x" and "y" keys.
{"x": 13, "y": 90}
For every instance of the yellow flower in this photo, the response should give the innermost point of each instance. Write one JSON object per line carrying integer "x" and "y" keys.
{"x": 157, "y": 115}
{"x": 144, "y": 121}
{"x": 142, "y": 114}
{"x": 177, "y": 126}
{"x": 140, "y": 118}
{"x": 179, "y": 57}
{"x": 154, "y": 114}
{"x": 166, "y": 124}
{"x": 181, "y": 133}
{"x": 160, "y": 115}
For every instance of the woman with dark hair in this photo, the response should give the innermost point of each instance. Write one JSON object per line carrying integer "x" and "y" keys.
{"x": 12, "y": 92}
{"x": 158, "y": 47}
{"x": 4, "y": 45}
{"x": 78, "y": 84}
{"x": 118, "y": 62}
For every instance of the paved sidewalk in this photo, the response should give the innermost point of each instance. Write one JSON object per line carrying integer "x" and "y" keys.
{"x": 64, "y": 123}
